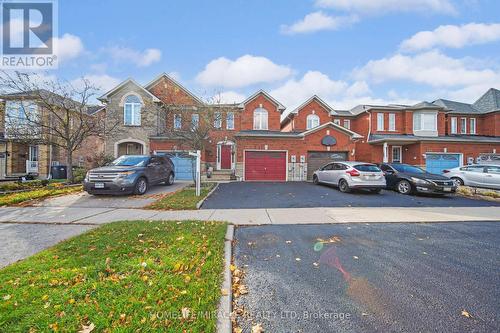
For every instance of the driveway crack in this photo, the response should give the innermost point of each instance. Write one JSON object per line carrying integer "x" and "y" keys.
{"x": 93, "y": 215}
{"x": 269, "y": 217}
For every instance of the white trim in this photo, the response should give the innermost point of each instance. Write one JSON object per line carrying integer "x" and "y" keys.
{"x": 336, "y": 126}
{"x": 314, "y": 118}
{"x": 266, "y": 150}
{"x": 393, "y": 122}
{"x": 463, "y": 129}
{"x": 380, "y": 121}
{"x": 118, "y": 87}
{"x": 218, "y": 154}
{"x": 400, "y": 154}
{"x": 168, "y": 77}
{"x": 453, "y": 125}
{"x": 117, "y": 143}
{"x": 251, "y": 98}
{"x": 471, "y": 121}
{"x": 314, "y": 97}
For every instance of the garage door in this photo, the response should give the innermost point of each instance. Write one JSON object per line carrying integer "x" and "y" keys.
{"x": 265, "y": 165}
{"x": 184, "y": 165}
{"x": 316, "y": 160}
{"x": 436, "y": 163}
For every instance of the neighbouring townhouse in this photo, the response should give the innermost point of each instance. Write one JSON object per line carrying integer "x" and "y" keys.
{"x": 21, "y": 157}
{"x": 258, "y": 139}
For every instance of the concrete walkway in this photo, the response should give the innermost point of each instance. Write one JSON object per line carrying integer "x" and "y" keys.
{"x": 93, "y": 216}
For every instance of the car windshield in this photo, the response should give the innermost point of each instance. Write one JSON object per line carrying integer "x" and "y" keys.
{"x": 367, "y": 167}
{"x": 130, "y": 161}
{"x": 407, "y": 168}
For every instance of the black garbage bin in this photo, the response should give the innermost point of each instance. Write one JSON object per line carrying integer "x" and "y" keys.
{"x": 59, "y": 172}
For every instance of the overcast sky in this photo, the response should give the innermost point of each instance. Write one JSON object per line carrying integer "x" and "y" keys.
{"x": 346, "y": 51}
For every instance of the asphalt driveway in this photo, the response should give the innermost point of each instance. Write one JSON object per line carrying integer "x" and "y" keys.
{"x": 371, "y": 277}
{"x": 85, "y": 200}
{"x": 304, "y": 195}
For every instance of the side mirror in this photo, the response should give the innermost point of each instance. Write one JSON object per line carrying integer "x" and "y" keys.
{"x": 389, "y": 172}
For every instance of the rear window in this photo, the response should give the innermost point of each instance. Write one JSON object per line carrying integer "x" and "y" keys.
{"x": 367, "y": 167}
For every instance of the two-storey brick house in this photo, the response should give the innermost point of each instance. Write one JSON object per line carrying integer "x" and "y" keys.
{"x": 258, "y": 140}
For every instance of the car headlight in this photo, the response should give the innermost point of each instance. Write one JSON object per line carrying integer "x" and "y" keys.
{"x": 125, "y": 174}
{"x": 419, "y": 181}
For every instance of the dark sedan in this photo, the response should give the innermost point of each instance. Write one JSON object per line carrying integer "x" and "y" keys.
{"x": 409, "y": 179}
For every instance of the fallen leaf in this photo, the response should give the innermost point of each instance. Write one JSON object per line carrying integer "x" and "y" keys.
{"x": 257, "y": 328}
{"x": 6, "y": 297}
{"x": 185, "y": 312}
{"x": 242, "y": 289}
{"x": 71, "y": 301}
{"x": 466, "y": 314}
{"x": 87, "y": 329}
{"x": 224, "y": 292}
{"x": 237, "y": 330}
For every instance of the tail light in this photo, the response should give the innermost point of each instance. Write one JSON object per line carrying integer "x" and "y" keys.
{"x": 446, "y": 171}
{"x": 353, "y": 172}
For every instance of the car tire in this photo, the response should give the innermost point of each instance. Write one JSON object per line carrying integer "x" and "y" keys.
{"x": 141, "y": 186}
{"x": 404, "y": 187}
{"x": 458, "y": 181}
{"x": 170, "y": 180}
{"x": 344, "y": 186}
{"x": 376, "y": 190}
{"x": 315, "y": 180}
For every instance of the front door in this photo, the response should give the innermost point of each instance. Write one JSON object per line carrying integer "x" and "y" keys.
{"x": 396, "y": 154}
{"x": 225, "y": 157}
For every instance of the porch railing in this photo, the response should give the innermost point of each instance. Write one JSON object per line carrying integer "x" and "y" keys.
{"x": 31, "y": 166}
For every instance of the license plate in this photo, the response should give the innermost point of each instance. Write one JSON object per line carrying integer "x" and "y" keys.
{"x": 99, "y": 185}
{"x": 447, "y": 189}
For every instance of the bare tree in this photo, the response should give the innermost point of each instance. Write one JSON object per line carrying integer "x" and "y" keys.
{"x": 54, "y": 112}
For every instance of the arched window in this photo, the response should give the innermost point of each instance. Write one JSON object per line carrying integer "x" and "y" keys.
{"x": 260, "y": 119}
{"x": 312, "y": 121}
{"x": 132, "y": 111}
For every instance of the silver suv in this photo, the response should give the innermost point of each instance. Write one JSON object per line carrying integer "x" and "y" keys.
{"x": 130, "y": 174}
{"x": 351, "y": 175}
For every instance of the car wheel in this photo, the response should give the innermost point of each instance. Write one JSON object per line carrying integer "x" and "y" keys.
{"x": 170, "y": 179}
{"x": 141, "y": 186}
{"x": 344, "y": 186}
{"x": 404, "y": 187}
{"x": 376, "y": 190}
{"x": 315, "y": 180}
{"x": 458, "y": 181}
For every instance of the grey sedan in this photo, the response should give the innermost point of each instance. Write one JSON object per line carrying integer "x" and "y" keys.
{"x": 487, "y": 176}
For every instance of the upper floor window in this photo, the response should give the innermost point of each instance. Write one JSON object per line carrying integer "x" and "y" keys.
{"x": 217, "y": 120}
{"x": 230, "y": 121}
{"x": 453, "y": 125}
{"x": 423, "y": 121}
{"x": 195, "y": 120}
{"x": 472, "y": 125}
{"x": 463, "y": 125}
{"x": 392, "y": 121}
{"x": 21, "y": 118}
{"x": 260, "y": 119}
{"x": 347, "y": 123}
{"x": 177, "y": 121}
{"x": 312, "y": 121}
{"x": 132, "y": 111}
{"x": 380, "y": 121}
{"x": 336, "y": 121}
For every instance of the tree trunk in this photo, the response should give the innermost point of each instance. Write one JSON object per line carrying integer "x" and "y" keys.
{"x": 69, "y": 165}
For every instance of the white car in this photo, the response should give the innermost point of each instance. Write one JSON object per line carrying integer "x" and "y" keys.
{"x": 480, "y": 175}
{"x": 351, "y": 175}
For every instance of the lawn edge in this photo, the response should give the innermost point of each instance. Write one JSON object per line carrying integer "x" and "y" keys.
{"x": 200, "y": 203}
{"x": 224, "y": 309}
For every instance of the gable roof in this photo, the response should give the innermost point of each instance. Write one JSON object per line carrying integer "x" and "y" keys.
{"x": 456, "y": 107}
{"x": 121, "y": 85}
{"x": 337, "y": 127}
{"x": 173, "y": 81}
{"x": 280, "y": 106}
{"x": 312, "y": 98}
{"x": 425, "y": 105}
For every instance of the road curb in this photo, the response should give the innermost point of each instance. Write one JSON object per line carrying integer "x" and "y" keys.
{"x": 198, "y": 205}
{"x": 224, "y": 311}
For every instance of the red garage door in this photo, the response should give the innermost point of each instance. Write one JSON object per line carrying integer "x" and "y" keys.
{"x": 265, "y": 165}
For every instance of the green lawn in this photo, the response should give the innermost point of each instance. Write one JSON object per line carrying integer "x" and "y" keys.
{"x": 183, "y": 199}
{"x": 122, "y": 277}
{"x": 39, "y": 193}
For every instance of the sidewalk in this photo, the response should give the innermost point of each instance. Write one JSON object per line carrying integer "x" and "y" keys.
{"x": 95, "y": 216}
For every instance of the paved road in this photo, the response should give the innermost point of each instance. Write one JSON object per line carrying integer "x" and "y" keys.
{"x": 386, "y": 277}
{"x": 19, "y": 241}
{"x": 85, "y": 200}
{"x": 303, "y": 195}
